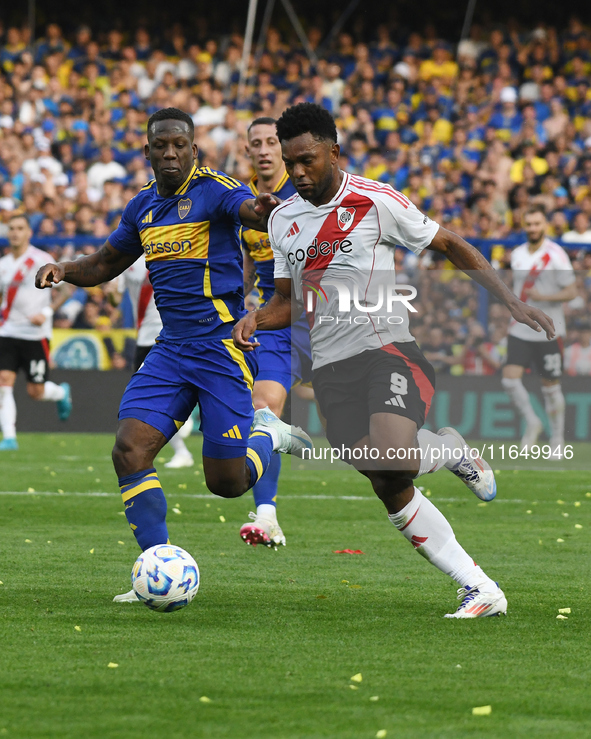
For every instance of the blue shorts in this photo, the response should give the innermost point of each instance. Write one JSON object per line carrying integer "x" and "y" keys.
{"x": 285, "y": 355}
{"x": 176, "y": 377}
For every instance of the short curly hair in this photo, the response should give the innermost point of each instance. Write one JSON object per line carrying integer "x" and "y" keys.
{"x": 306, "y": 118}
{"x": 175, "y": 114}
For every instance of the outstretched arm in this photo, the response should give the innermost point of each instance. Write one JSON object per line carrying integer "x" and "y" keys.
{"x": 89, "y": 271}
{"x": 255, "y": 212}
{"x": 273, "y": 315}
{"x": 464, "y": 256}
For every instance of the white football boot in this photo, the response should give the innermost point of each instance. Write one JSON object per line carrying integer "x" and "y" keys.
{"x": 476, "y": 603}
{"x": 532, "y": 431}
{"x": 130, "y": 597}
{"x": 474, "y": 472}
{"x": 179, "y": 460}
{"x": 262, "y": 531}
{"x": 286, "y": 439}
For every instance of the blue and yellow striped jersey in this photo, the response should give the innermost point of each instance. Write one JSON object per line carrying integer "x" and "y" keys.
{"x": 192, "y": 247}
{"x": 258, "y": 245}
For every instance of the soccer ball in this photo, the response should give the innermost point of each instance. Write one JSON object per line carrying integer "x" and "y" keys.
{"x": 165, "y": 578}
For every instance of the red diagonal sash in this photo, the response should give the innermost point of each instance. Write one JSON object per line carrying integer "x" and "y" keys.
{"x": 146, "y": 293}
{"x": 327, "y": 243}
{"x": 14, "y": 286}
{"x": 533, "y": 276}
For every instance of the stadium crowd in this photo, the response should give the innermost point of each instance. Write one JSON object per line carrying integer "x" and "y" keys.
{"x": 472, "y": 134}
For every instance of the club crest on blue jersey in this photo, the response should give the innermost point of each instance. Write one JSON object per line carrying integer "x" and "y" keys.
{"x": 184, "y": 207}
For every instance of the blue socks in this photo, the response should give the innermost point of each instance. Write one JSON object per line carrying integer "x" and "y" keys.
{"x": 265, "y": 489}
{"x": 258, "y": 455}
{"x": 145, "y": 507}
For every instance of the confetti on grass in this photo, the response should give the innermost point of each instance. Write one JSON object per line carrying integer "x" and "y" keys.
{"x": 77, "y": 628}
{"x": 357, "y": 678}
{"x": 564, "y": 610}
{"x": 204, "y": 699}
{"x": 112, "y": 665}
{"x": 177, "y": 511}
{"x": 560, "y": 617}
{"x": 374, "y": 698}
{"x": 222, "y": 519}
{"x": 482, "y": 710}
{"x": 382, "y": 733}
{"x": 348, "y": 551}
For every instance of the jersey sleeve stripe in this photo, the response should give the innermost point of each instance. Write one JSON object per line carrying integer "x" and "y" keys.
{"x": 229, "y": 182}
{"x": 386, "y": 190}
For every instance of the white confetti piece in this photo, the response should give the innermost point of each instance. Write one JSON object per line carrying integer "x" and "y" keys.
{"x": 60, "y": 491}
{"x": 560, "y": 541}
{"x": 177, "y": 511}
{"x": 222, "y": 519}
{"x": 354, "y": 687}
{"x": 30, "y": 490}
{"x": 374, "y": 698}
{"x": 528, "y": 511}
{"x": 561, "y": 617}
{"x": 578, "y": 526}
{"x": 482, "y": 710}
{"x": 323, "y": 484}
{"x": 565, "y": 515}
{"x": 560, "y": 502}
{"x": 90, "y": 469}
{"x": 382, "y": 734}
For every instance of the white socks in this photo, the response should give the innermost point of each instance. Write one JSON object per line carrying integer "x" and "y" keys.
{"x": 178, "y": 445}
{"x": 51, "y": 391}
{"x": 515, "y": 389}
{"x": 437, "y": 451}
{"x": 7, "y": 412}
{"x": 429, "y": 532}
{"x": 555, "y": 404}
{"x": 267, "y": 511}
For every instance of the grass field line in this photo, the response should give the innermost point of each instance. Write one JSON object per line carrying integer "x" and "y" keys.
{"x": 209, "y": 496}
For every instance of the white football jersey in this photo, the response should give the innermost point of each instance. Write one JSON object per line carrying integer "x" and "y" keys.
{"x": 340, "y": 257}
{"x": 28, "y": 300}
{"x": 548, "y": 270}
{"x": 133, "y": 279}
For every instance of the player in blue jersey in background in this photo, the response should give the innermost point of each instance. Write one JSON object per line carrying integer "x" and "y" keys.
{"x": 186, "y": 222}
{"x": 284, "y": 356}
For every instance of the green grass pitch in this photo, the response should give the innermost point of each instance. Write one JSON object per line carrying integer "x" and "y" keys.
{"x": 273, "y": 638}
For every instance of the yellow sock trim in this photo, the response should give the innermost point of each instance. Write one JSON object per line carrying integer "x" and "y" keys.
{"x": 147, "y": 485}
{"x": 256, "y": 460}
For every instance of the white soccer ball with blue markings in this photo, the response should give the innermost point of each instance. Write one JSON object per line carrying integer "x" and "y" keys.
{"x": 165, "y": 578}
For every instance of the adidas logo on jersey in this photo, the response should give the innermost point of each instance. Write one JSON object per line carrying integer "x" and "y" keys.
{"x": 293, "y": 230}
{"x": 396, "y": 401}
{"x": 233, "y": 433}
{"x": 148, "y": 218}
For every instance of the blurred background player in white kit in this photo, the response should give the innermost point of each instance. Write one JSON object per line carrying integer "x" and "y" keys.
{"x": 543, "y": 277}
{"x": 25, "y": 330}
{"x": 147, "y": 320}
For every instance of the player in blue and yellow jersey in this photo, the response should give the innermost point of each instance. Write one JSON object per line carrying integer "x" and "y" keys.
{"x": 284, "y": 356}
{"x": 186, "y": 222}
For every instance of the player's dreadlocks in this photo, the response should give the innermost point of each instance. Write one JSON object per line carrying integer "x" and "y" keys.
{"x": 167, "y": 114}
{"x": 306, "y": 118}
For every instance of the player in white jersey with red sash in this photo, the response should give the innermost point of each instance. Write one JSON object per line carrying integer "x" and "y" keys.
{"x": 147, "y": 320}
{"x": 25, "y": 329}
{"x": 543, "y": 277}
{"x": 333, "y": 244}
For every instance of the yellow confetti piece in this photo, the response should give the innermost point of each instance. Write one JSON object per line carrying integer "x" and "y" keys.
{"x": 565, "y": 515}
{"x": 30, "y": 490}
{"x": 539, "y": 541}
{"x": 77, "y": 628}
{"x": 587, "y": 495}
{"x": 90, "y": 469}
{"x": 222, "y": 519}
{"x": 382, "y": 733}
{"x": 482, "y": 505}
{"x": 560, "y": 541}
{"x": 49, "y": 542}
{"x": 1, "y": 583}
{"x": 354, "y": 687}
{"x": 204, "y": 699}
{"x": 60, "y": 491}
{"x": 121, "y": 542}
{"x": 323, "y": 484}
{"x": 344, "y": 582}
{"x": 120, "y": 513}
{"x": 161, "y": 460}
{"x": 177, "y": 511}
{"x": 577, "y": 504}
{"x": 92, "y": 551}
{"x": 482, "y": 710}
{"x": 560, "y": 502}
{"x": 528, "y": 511}
{"x": 561, "y": 617}
{"x": 497, "y": 472}
{"x": 203, "y": 483}
{"x": 97, "y": 479}
{"x": 208, "y": 505}
{"x": 578, "y": 526}
{"x": 28, "y": 541}
{"x": 182, "y": 485}
{"x": 355, "y": 587}
{"x": 564, "y": 610}
{"x": 112, "y": 665}
{"x": 197, "y": 473}
{"x": 52, "y": 473}
{"x": 357, "y": 678}
{"x": 374, "y": 698}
